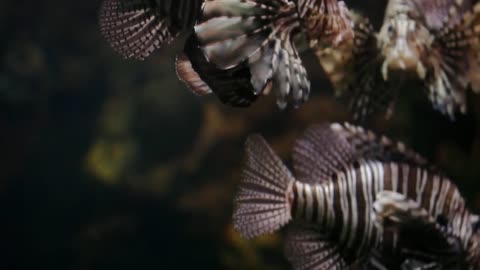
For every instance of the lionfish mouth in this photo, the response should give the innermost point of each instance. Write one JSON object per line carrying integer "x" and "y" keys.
{"x": 403, "y": 65}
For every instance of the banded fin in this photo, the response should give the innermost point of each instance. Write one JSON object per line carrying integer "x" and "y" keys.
{"x": 370, "y": 146}
{"x": 308, "y": 249}
{"x": 353, "y": 69}
{"x": 456, "y": 64}
{"x": 262, "y": 204}
{"x": 434, "y": 14}
{"x": 324, "y": 149}
{"x": 190, "y": 77}
{"x": 319, "y": 153}
{"x": 326, "y": 23}
{"x": 394, "y": 211}
{"x": 258, "y": 34}
{"x": 135, "y": 28}
{"x": 231, "y": 86}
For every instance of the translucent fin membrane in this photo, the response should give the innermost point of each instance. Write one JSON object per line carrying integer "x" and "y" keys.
{"x": 262, "y": 203}
{"x": 135, "y": 28}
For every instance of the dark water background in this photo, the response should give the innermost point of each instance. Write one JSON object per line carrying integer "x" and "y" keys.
{"x": 113, "y": 164}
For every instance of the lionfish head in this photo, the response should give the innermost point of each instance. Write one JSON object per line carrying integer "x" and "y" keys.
{"x": 402, "y": 42}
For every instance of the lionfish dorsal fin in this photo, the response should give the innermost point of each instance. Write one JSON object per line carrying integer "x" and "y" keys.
{"x": 260, "y": 35}
{"x": 232, "y": 86}
{"x": 135, "y": 28}
{"x": 319, "y": 153}
{"x": 368, "y": 145}
{"x": 324, "y": 149}
{"x": 309, "y": 249}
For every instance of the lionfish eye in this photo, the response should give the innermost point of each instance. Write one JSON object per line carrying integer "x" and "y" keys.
{"x": 390, "y": 30}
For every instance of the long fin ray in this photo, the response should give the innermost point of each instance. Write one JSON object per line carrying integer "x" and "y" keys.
{"x": 257, "y": 35}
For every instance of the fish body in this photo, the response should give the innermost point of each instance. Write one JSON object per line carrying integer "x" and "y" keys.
{"x": 238, "y": 49}
{"x": 433, "y": 42}
{"x": 356, "y": 200}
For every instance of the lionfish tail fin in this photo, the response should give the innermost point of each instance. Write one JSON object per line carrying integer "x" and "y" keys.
{"x": 262, "y": 204}
{"x": 135, "y": 28}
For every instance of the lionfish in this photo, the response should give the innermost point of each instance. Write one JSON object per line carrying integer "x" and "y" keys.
{"x": 434, "y": 42}
{"x": 239, "y": 49}
{"x": 356, "y": 200}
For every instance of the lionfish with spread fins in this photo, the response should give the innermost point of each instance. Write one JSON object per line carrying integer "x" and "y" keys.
{"x": 356, "y": 201}
{"x": 435, "y": 42}
{"x": 239, "y": 49}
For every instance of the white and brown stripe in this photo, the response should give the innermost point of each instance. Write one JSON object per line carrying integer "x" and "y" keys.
{"x": 343, "y": 206}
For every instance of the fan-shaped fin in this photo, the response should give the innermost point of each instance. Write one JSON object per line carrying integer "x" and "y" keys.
{"x": 353, "y": 69}
{"x": 319, "y": 153}
{"x": 324, "y": 149}
{"x": 262, "y": 204}
{"x": 260, "y": 34}
{"x": 308, "y": 249}
{"x": 135, "y": 28}
{"x": 457, "y": 62}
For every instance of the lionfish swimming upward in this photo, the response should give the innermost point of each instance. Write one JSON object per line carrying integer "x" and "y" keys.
{"x": 433, "y": 41}
{"x": 239, "y": 49}
{"x": 356, "y": 200}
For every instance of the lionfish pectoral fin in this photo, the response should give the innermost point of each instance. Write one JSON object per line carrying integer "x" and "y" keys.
{"x": 262, "y": 204}
{"x": 474, "y": 53}
{"x": 457, "y": 63}
{"x": 231, "y": 86}
{"x": 339, "y": 62}
{"x": 446, "y": 92}
{"x": 308, "y": 249}
{"x": 290, "y": 80}
{"x": 261, "y": 34}
{"x": 474, "y": 71}
{"x": 354, "y": 70}
{"x": 190, "y": 77}
{"x": 135, "y": 28}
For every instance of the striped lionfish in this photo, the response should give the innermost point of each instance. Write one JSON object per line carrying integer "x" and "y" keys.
{"x": 239, "y": 49}
{"x": 356, "y": 201}
{"x": 435, "y": 42}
